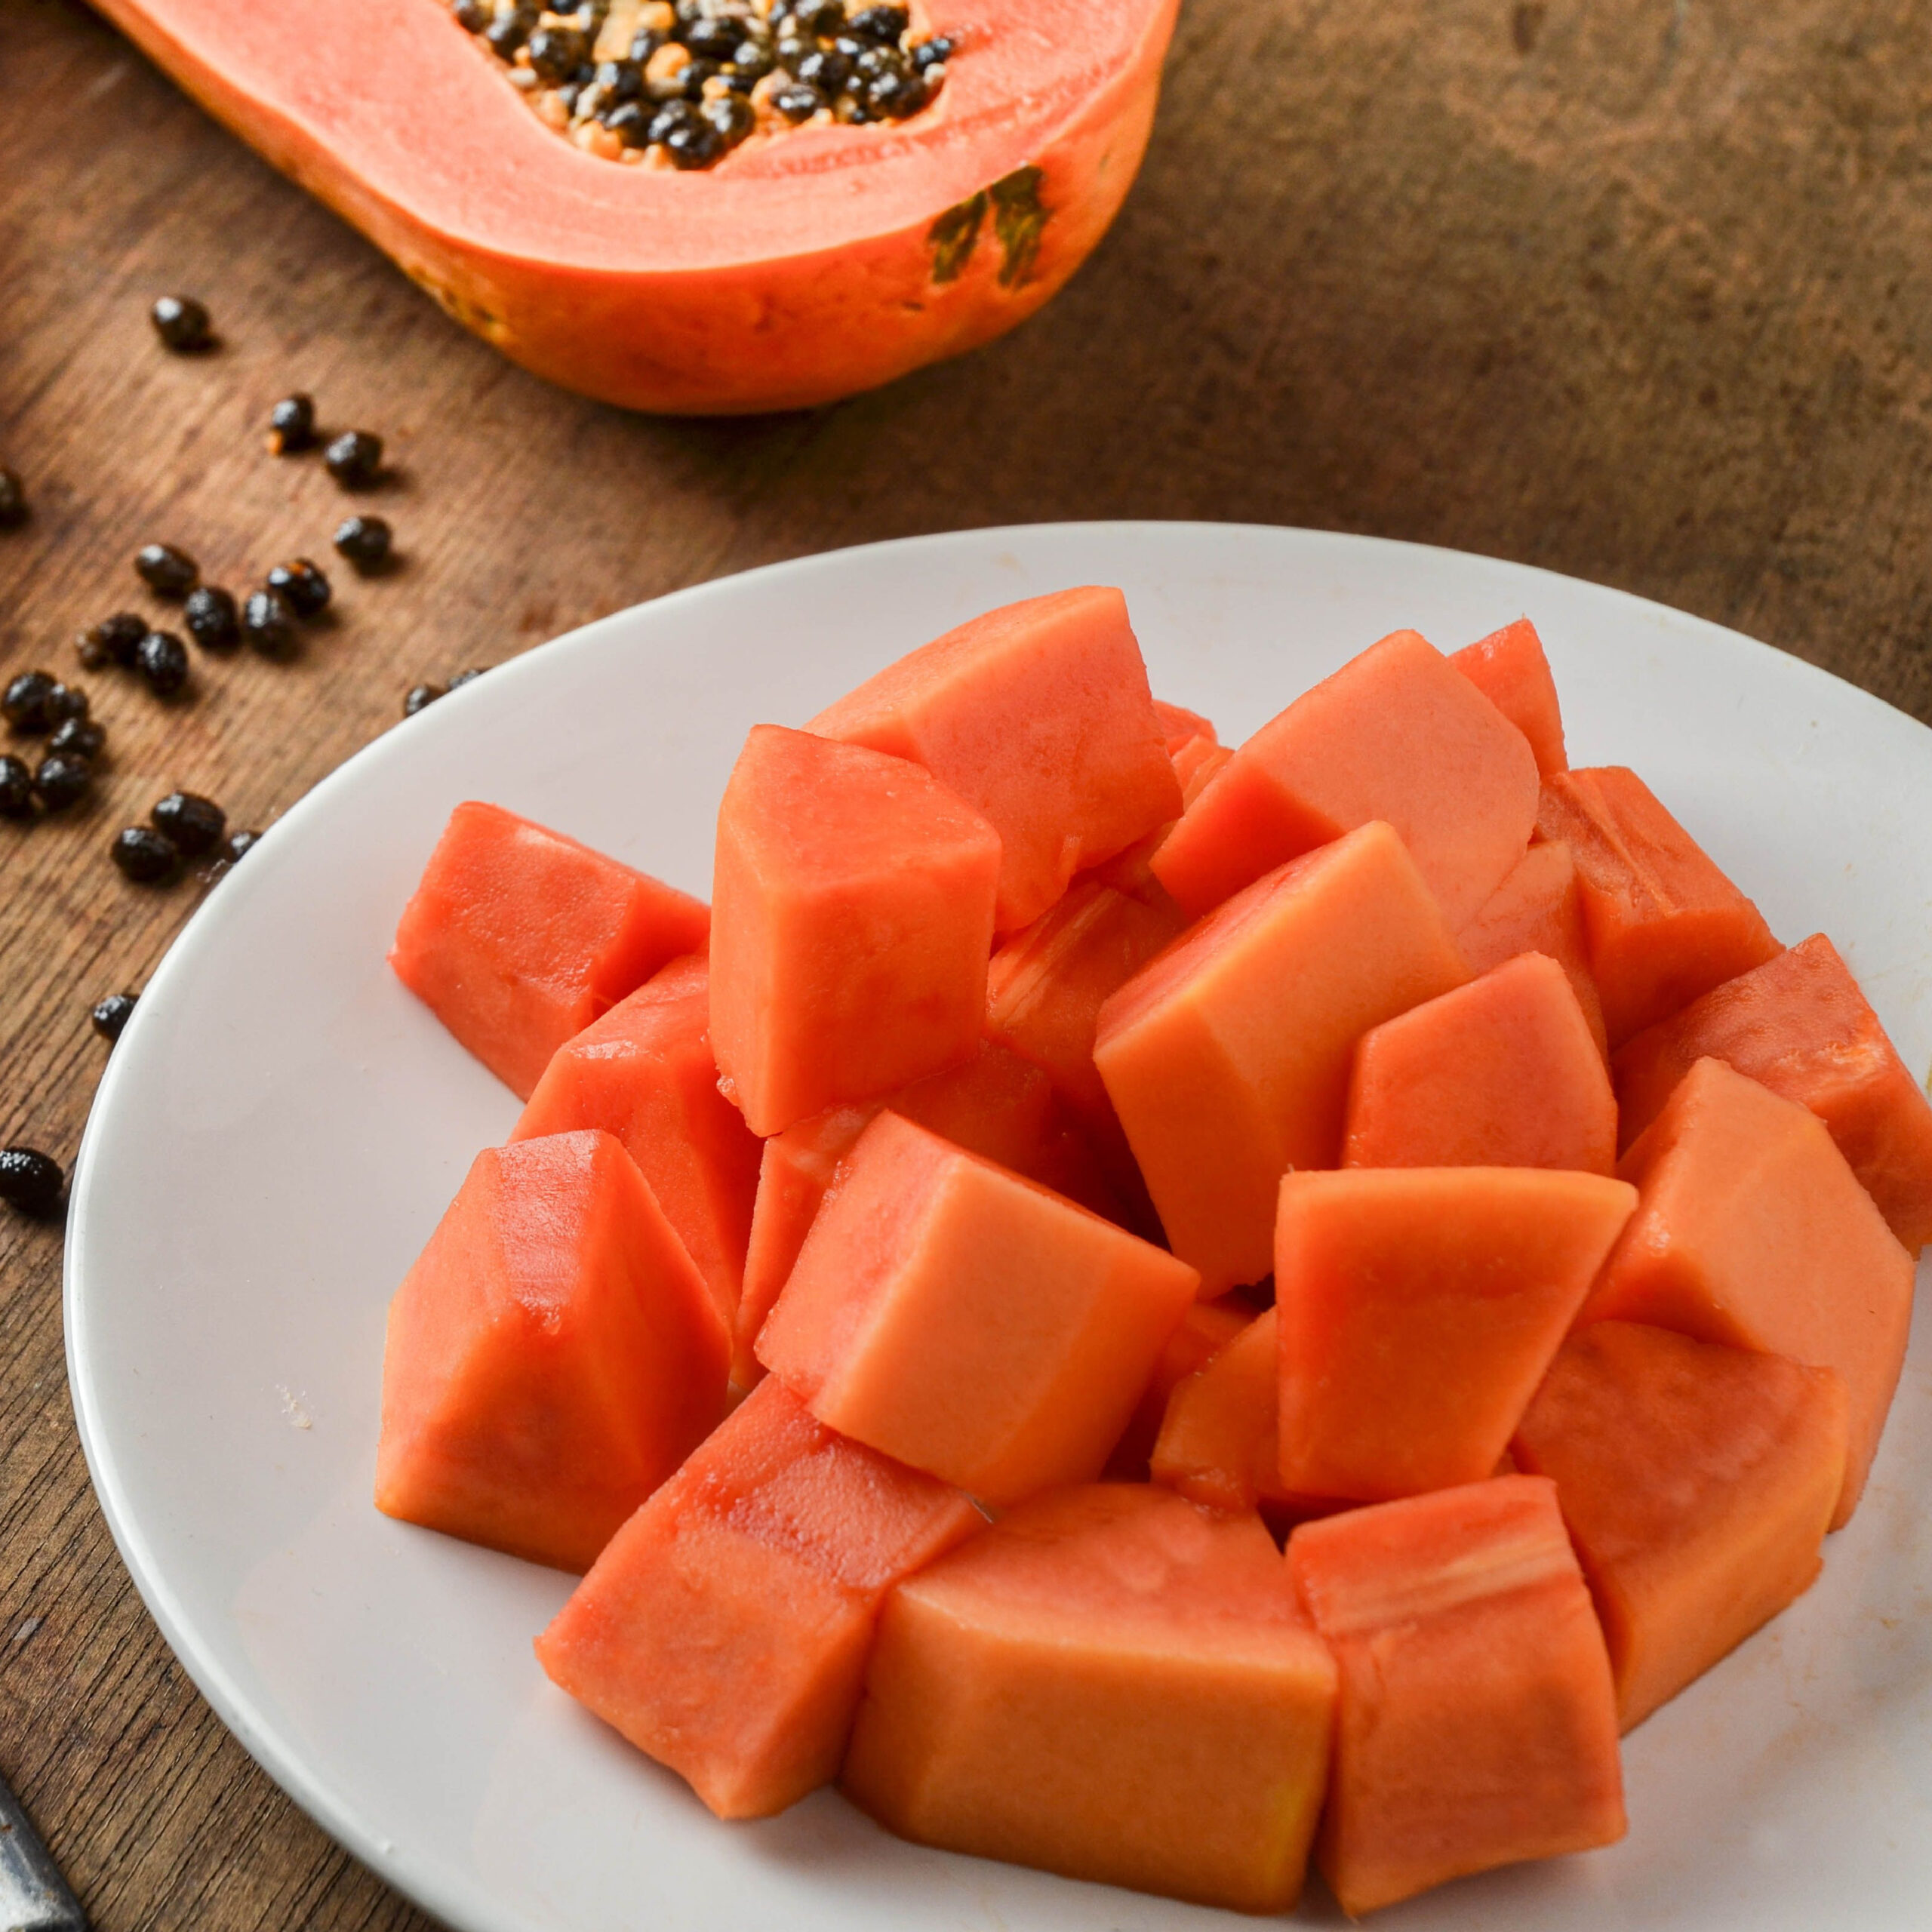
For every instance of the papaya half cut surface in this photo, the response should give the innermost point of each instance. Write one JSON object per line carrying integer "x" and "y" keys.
{"x": 1475, "y": 1723}
{"x": 1503, "y": 1072}
{"x": 1227, "y": 1056}
{"x": 1394, "y": 735}
{"x": 1696, "y": 1481}
{"x": 853, "y": 918}
{"x": 724, "y": 1630}
{"x": 826, "y": 259}
{"x": 1663, "y": 923}
{"x": 1038, "y": 715}
{"x": 1799, "y": 1025}
{"x": 1751, "y": 1230}
{"x": 553, "y": 1356}
{"x": 644, "y": 1072}
{"x": 950, "y": 1314}
{"x": 1111, "y": 1685}
{"x": 1509, "y": 669}
{"x": 1417, "y": 1310}
{"x": 517, "y": 937}
{"x": 1538, "y": 908}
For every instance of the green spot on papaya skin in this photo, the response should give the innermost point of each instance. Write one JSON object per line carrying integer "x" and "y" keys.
{"x": 953, "y": 236}
{"x": 1019, "y": 218}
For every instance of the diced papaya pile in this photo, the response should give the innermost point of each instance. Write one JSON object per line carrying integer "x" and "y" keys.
{"x": 1278, "y": 1296}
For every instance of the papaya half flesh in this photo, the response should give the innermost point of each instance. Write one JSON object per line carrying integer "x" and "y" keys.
{"x": 826, "y": 260}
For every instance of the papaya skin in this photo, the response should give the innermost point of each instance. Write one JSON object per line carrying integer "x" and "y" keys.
{"x": 826, "y": 262}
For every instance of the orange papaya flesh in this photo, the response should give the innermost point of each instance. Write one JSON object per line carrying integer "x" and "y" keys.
{"x": 1395, "y": 734}
{"x": 1475, "y": 1722}
{"x": 1038, "y": 715}
{"x": 1417, "y": 1309}
{"x": 799, "y": 270}
{"x": 1107, "y": 1684}
{"x": 553, "y": 1356}
{"x": 1206, "y": 1330}
{"x": 953, "y": 1315}
{"x": 1132, "y": 872}
{"x": 1195, "y": 764}
{"x": 853, "y": 917}
{"x": 995, "y": 1104}
{"x": 1046, "y": 986}
{"x": 1219, "y": 1443}
{"x": 724, "y": 1630}
{"x": 1663, "y": 923}
{"x": 1227, "y": 1056}
{"x": 517, "y": 937}
{"x": 1697, "y": 1482}
{"x": 1181, "y": 726}
{"x": 1509, "y": 669}
{"x": 644, "y": 1072}
{"x": 1798, "y": 1025}
{"x": 1502, "y": 1073}
{"x": 1752, "y": 1230}
{"x": 1539, "y": 909}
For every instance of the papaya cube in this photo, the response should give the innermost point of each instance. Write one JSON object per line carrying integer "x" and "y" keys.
{"x": 1195, "y": 764}
{"x": 1509, "y": 669}
{"x": 1395, "y": 734}
{"x": 1037, "y": 714}
{"x": 854, "y": 904}
{"x": 1475, "y": 1723}
{"x": 1798, "y": 1025}
{"x": 1220, "y": 1443}
{"x": 1752, "y": 1231}
{"x": 1663, "y": 923}
{"x": 1181, "y": 726}
{"x": 1205, "y": 1330}
{"x": 1418, "y": 1308}
{"x": 1227, "y": 1057}
{"x": 1111, "y": 1685}
{"x": 1501, "y": 1073}
{"x": 553, "y": 1356}
{"x": 1539, "y": 909}
{"x": 517, "y": 937}
{"x": 995, "y": 1104}
{"x": 950, "y": 1314}
{"x": 644, "y": 1072}
{"x": 1046, "y": 986}
{"x": 724, "y": 1631}
{"x": 1696, "y": 1481}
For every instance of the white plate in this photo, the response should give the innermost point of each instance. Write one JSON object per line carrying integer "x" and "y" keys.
{"x": 281, "y": 1125}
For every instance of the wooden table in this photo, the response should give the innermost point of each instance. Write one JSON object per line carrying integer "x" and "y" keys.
{"x": 1640, "y": 289}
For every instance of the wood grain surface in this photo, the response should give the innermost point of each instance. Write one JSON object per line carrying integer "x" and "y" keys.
{"x": 1640, "y": 289}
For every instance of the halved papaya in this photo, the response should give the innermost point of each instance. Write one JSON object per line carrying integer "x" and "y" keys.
{"x": 822, "y": 260}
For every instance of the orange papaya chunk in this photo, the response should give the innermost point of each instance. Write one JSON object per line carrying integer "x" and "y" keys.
{"x": 1181, "y": 726}
{"x": 1696, "y": 1481}
{"x": 644, "y": 1072}
{"x": 996, "y": 1104}
{"x": 854, "y": 900}
{"x": 1046, "y": 986}
{"x": 1107, "y": 1684}
{"x": 724, "y": 1630}
{"x": 1501, "y": 1073}
{"x": 1205, "y": 1330}
{"x": 1195, "y": 764}
{"x": 1538, "y": 909}
{"x": 517, "y": 937}
{"x": 1038, "y": 715}
{"x": 1394, "y": 735}
{"x": 1219, "y": 1444}
{"x": 1417, "y": 1310}
{"x": 1227, "y": 1057}
{"x": 1752, "y": 1231}
{"x": 1798, "y": 1025}
{"x": 1663, "y": 923}
{"x": 1509, "y": 669}
{"x": 1475, "y": 1723}
{"x": 952, "y": 1315}
{"x": 552, "y": 1356}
